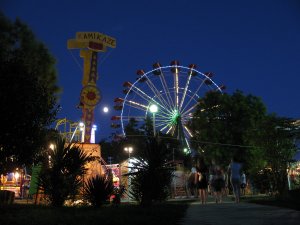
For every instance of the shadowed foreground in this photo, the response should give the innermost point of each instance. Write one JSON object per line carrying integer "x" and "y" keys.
{"x": 229, "y": 213}
{"x": 22, "y": 214}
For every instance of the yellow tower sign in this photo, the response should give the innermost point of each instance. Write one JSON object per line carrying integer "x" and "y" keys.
{"x": 90, "y": 43}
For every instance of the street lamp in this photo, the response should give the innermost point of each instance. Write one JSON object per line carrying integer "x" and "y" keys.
{"x": 128, "y": 150}
{"x": 154, "y": 109}
{"x": 51, "y": 146}
{"x": 185, "y": 150}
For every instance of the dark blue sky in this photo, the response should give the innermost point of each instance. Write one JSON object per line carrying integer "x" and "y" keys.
{"x": 250, "y": 45}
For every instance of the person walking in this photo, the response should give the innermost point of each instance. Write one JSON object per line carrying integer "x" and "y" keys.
{"x": 212, "y": 173}
{"x": 235, "y": 169}
{"x": 225, "y": 190}
{"x": 192, "y": 183}
{"x": 218, "y": 184}
{"x": 243, "y": 183}
{"x": 201, "y": 179}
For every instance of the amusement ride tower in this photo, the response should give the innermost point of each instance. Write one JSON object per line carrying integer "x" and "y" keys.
{"x": 90, "y": 44}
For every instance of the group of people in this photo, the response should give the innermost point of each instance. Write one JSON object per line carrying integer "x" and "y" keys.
{"x": 214, "y": 179}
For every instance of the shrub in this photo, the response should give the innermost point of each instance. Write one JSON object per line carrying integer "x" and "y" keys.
{"x": 150, "y": 174}
{"x": 98, "y": 190}
{"x": 60, "y": 178}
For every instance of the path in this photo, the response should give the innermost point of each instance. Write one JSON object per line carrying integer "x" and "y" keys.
{"x": 229, "y": 213}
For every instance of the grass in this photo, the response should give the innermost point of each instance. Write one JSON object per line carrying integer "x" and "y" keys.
{"x": 165, "y": 213}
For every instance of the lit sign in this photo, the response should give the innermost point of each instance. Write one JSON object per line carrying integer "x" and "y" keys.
{"x": 96, "y": 37}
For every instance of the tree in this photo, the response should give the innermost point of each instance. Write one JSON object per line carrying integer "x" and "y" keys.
{"x": 227, "y": 125}
{"x": 114, "y": 147}
{"x": 28, "y": 93}
{"x": 277, "y": 146}
{"x": 223, "y": 125}
{"x": 111, "y": 149}
{"x": 62, "y": 171}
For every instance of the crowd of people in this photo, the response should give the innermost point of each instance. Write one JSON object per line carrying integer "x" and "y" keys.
{"x": 217, "y": 181}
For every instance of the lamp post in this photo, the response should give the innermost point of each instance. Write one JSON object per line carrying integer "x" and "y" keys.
{"x": 51, "y": 149}
{"x": 154, "y": 109}
{"x": 51, "y": 146}
{"x": 129, "y": 150}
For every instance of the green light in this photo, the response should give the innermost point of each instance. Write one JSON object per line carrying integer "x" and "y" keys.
{"x": 174, "y": 116}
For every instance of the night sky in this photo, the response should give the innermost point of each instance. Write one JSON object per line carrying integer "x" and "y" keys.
{"x": 253, "y": 46}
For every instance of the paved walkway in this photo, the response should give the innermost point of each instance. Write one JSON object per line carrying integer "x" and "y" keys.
{"x": 229, "y": 213}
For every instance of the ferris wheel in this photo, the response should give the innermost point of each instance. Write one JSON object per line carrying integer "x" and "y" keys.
{"x": 173, "y": 91}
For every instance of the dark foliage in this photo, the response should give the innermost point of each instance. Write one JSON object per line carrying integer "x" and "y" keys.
{"x": 62, "y": 172}
{"x": 20, "y": 214}
{"x": 98, "y": 190}
{"x": 28, "y": 94}
{"x": 237, "y": 125}
{"x": 278, "y": 147}
{"x": 151, "y": 175}
{"x": 223, "y": 124}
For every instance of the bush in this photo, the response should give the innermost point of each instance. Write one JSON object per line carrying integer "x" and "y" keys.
{"x": 150, "y": 175}
{"x": 98, "y": 190}
{"x": 61, "y": 178}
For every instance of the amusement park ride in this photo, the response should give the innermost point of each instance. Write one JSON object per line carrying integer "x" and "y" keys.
{"x": 168, "y": 95}
{"x": 90, "y": 43}
{"x": 174, "y": 90}
{"x": 83, "y": 132}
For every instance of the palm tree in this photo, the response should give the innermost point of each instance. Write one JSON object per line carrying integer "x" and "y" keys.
{"x": 151, "y": 175}
{"x": 98, "y": 189}
{"x": 62, "y": 172}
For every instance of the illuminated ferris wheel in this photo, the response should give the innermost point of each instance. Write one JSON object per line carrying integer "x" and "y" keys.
{"x": 173, "y": 91}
